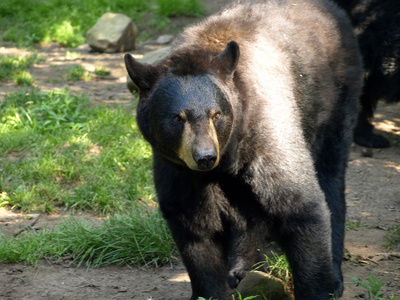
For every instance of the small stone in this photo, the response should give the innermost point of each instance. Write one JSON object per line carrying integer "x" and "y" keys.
{"x": 263, "y": 285}
{"x": 85, "y": 48}
{"x": 155, "y": 56}
{"x": 164, "y": 39}
{"x": 367, "y": 152}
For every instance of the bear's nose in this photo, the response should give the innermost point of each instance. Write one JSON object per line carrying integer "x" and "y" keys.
{"x": 206, "y": 161}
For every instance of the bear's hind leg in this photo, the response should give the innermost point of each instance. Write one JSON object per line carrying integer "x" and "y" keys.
{"x": 331, "y": 162}
{"x": 336, "y": 202}
{"x": 305, "y": 239}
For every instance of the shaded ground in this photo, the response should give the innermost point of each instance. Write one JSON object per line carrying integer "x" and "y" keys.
{"x": 373, "y": 197}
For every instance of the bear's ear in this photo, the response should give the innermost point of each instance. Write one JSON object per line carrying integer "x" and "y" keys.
{"x": 228, "y": 59}
{"x": 143, "y": 75}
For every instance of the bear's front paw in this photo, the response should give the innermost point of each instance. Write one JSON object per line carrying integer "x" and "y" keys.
{"x": 235, "y": 276}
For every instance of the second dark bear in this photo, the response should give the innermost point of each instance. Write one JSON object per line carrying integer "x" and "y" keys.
{"x": 377, "y": 26}
{"x": 250, "y": 118}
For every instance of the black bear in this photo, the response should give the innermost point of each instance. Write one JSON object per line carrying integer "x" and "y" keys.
{"x": 377, "y": 26}
{"x": 250, "y": 118}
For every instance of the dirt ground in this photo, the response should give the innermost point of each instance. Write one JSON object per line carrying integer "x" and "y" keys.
{"x": 373, "y": 200}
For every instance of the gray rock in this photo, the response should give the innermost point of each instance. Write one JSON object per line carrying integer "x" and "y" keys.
{"x": 164, "y": 39}
{"x": 264, "y": 286}
{"x": 155, "y": 56}
{"x": 85, "y": 48}
{"x": 112, "y": 33}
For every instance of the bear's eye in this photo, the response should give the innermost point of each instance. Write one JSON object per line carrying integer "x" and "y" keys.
{"x": 177, "y": 119}
{"x": 217, "y": 115}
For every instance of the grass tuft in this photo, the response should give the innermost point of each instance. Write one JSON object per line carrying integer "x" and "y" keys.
{"x": 15, "y": 68}
{"x": 23, "y": 77}
{"x": 77, "y": 72}
{"x": 278, "y": 266}
{"x": 42, "y": 112}
{"x": 101, "y": 71}
{"x": 139, "y": 237}
{"x": 393, "y": 238}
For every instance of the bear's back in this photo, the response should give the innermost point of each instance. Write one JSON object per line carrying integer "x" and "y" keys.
{"x": 289, "y": 25}
{"x": 287, "y": 41}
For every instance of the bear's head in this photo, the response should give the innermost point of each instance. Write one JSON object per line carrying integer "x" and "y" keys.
{"x": 185, "y": 108}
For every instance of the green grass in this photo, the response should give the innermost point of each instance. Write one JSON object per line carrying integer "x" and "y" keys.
{"x": 101, "y": 71}
{"x": 15, "y": 68}
{"x": 179, "y": 7}
{"x": 139, "y": 237}
{"x": 66, "y": 22}
{"x": 23, "y": 78}
{"x": 278, "y": 266}
{"x": 58, "y": 150}
{"x": 373, "y": 288}
{"x": 28, "y": 22}
{"x": 77, "y": 72}
{"x": 393, "y": 238}
{"x": 350, "y": 225}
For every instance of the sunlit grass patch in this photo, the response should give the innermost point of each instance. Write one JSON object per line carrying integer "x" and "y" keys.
{"x": 28, "y": 22}
{"x": 139, "y": 237}
{"x": 23, "y": 77}
{"x": 65, "y": 34}
{"x": 58, "y": 150}
{"x": 15, "y": 68}
{"x": 77, "y": 72}
{"x": 278, "y": 266}
{"x": 43, "y": 112}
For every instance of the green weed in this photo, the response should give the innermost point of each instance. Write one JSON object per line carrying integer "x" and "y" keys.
{"x": 278, "y": 266}
{"x": 393, "y": 238}
{"x": 65, "y": 34}
{"x": 354, "y": 225}
{"x": 179, "y": 7}
{"x": 42, "y": 111}
{"x": 139, "y": 237}
{"x": 16, "y": 68}
{"x": 373, "y": 287}
{"x": 77, "y": 72}
{"x": 23, "y": 77}
{"x": 101, "y": 71}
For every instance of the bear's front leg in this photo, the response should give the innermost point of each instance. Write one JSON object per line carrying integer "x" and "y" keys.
{"x": 191, "y": 207}
{"x": 205, "y": 258}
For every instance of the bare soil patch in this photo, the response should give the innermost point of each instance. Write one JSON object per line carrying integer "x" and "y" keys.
{"x": 373, "y": 198}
